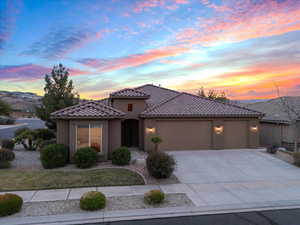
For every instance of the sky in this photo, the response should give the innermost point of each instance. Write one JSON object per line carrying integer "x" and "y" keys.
{"x": 247, "y": 48}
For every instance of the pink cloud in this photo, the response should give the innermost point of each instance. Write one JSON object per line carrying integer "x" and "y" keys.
{"x": 133, "y": 60}
{"x": 144, "y": 5}
{"x": 244, "y": 20}
{"x": 30, "y": 72}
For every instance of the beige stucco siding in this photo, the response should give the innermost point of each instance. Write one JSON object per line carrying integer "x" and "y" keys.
{"x": 62, "y": 135}
{"x": 184, "y": 135}
{"x": 114, "y": 135}
{"x": 138, "y": 106}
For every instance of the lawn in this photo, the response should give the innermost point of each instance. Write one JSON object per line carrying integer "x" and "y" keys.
{"x": 15, "y": 180}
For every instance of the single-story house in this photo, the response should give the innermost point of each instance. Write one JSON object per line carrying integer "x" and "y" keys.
{"x": 131, "y": 116}
{"x": 280, "y": 124}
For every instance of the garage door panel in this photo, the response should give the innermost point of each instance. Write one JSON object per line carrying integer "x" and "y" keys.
{"x": 235, "y": 134}
{"x": 184, "y": 135}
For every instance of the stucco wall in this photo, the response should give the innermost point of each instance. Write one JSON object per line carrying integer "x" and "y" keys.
{"x": 199, "y": 133}
{"x": 62, "y": 134}
{"x": 139, "y": 105}
{"x": 114, "y": 135}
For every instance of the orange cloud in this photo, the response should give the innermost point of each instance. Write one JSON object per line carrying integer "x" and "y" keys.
{"x": 257, "y": 81}
{"x": 240, "y": 22}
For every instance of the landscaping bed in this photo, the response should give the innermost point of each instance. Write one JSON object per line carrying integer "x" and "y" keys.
{"x": 113, "y": 203}
{"x": 16, "y": 180}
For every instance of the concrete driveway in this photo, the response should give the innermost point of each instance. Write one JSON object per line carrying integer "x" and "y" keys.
{"x": 237, "y": 177}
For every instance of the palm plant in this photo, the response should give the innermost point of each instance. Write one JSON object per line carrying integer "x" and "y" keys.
{"x": 156, "y": 140}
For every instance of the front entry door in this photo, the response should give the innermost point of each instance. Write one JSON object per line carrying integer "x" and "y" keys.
{"x": 130, "y": 133}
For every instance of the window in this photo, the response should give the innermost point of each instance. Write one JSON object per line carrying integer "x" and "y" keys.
{"x": 89, "y": 135}
{"x": 130, "y": 107}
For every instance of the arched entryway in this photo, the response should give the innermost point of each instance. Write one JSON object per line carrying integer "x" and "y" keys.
{"x": 130, "y": 133}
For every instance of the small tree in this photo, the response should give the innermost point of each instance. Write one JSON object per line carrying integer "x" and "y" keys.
{"x": 28, "y": 138}
{"x": 5, "y": 109}
{"x": 156, "y": 140}
{"x": 213, "y": 94}
{"x": 59, "y": 93}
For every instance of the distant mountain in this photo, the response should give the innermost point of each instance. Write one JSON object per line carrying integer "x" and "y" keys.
{"x": 21, "y": 101}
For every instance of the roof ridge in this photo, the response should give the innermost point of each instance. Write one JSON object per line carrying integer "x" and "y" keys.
{"x": 162, "y": 103}
{"x": 224, "y": 103}
{"x": 109, "y": 107}
{"x": 157, "y": 87}
{"x": 72, "y": 106}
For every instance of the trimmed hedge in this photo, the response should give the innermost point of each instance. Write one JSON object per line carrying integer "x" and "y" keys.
{"x": 92, "y": 200}
{"x": 160, "y": 165}
{"x": 85, "y": 157}
{"x": 8, "y": 144}
{"x": 121, "y": 156}
{"x": 54, "y": 155}
{"x": 10, "y": 204}
{"x": 154, "y": 197}
{"x": 6, "y": 156}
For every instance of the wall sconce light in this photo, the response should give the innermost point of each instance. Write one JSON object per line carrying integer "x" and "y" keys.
{"x": 254, "y": 128}
{"x": 150, "y": 130}
{"x": 219, "y": 129}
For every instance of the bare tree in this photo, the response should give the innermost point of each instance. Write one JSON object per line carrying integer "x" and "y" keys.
{"x": 293, "y": 113}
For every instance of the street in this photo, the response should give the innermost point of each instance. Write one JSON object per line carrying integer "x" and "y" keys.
{"x": 274, "y": 217}
{"x": 30, "y": 123}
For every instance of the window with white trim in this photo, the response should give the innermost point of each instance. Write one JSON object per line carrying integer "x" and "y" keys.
{"x": 89, "y": 135}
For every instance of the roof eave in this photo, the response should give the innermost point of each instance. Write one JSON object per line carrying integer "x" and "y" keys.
{"x": 199, "y": 116}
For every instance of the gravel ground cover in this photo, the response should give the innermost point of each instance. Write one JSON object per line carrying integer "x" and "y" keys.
{"x": 113, "y": 203}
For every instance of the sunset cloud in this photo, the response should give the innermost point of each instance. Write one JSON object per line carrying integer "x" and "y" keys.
{"x": 243, "y": 20}
{"x": 29, "y": 72}
{"x": 106, "y": 65}
{"x": 144, "y": 5}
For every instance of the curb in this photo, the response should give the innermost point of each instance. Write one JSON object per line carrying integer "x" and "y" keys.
{"x": 13, "y": 126}
{"x": 142, "y": 214}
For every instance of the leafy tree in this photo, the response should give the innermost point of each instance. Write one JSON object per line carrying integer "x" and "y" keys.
{"x": 59, "y": 93}
{"x": 5, "y": 109}
{"x": 213, "y": 94}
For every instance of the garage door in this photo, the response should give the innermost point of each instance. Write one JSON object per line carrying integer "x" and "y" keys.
{"x": 235, "y": 134}
{"x": 184, "y": 135}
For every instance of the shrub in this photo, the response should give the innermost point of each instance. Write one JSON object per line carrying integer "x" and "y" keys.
{"x": 156, "y": 140}
{"x": 20, "y": 131}
{"x": 44, "y": 143}
{"x": 154, "y": 197}
{"x": 8, "y": 144}
{"x": 85, "y": 157}
{"x": 45, "y": 134}
{"x": 28, "y": 139}
{"x": 272, "y": 149}
{"x": 54, "y": 155}
{"x": 10, "y": 204}
{"x": 121, "y": 156}
{"x": 160, "y": 164}
{"x": 296, "y": 156}
{"x": 92, "y": 200}
{"x": 6, "y": 156}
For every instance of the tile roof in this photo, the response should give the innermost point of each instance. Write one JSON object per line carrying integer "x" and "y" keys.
{"x": 275, "y": 110}
{"x": 157, "y": 94}
{"x": 129, "y": 93}
{"x": 90, "y": 109}
{"x": 188, "y": 105}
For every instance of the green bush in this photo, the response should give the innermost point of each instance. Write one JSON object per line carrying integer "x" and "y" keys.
{"x": 296, "y": 156}
{"x": 121, "y": 156}
{"x": 85, "y": 157}
{"x": 154, "y": 197}
{"x": 45, "y": 134}
{"x": 92, "y": 200}
{"x": 160, "y": 165}
{"x": 10, "y": 204}
{"x": 20, "y": 131}
{"x": 54, "y": 155}
{"x": 8, "y": 144}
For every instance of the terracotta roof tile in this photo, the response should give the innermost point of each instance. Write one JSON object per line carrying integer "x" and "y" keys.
{"x": 129, "y": 93}
{"x": 188, "y": 105}
{"x": 90, "y": 109}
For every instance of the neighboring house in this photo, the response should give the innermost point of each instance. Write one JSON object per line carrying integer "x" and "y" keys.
{"x": 279, "y": 125}
{"x": 130, "y": 117}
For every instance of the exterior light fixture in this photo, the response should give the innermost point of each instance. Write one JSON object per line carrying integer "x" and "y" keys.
{"x": 254, "y": 128}
{"x": 150, "y": 130}
{"x": 219, "y": 129}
